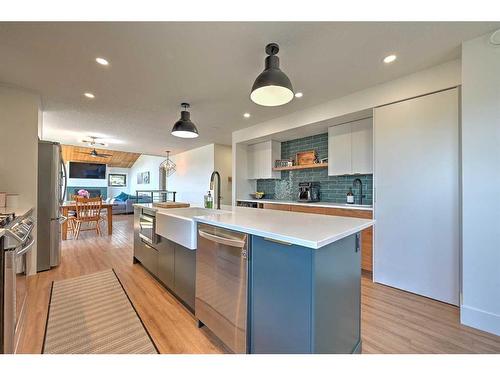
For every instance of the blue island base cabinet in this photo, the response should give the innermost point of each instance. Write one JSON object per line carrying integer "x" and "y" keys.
{"x": 304, "y": 300}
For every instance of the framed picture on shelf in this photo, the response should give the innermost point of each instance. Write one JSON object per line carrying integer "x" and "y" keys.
{"x": 115, "y": 179}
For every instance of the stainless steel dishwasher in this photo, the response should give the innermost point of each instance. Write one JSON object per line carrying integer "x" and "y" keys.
{"x": 221, "y": 284}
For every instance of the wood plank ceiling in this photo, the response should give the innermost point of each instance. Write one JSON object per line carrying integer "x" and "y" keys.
{"x": 82, "y": 154}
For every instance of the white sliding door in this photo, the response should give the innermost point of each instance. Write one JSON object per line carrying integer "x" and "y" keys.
{"x": 416, "y": 158}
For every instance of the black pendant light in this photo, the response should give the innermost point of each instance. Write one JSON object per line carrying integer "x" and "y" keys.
{"x": 184, "y": 128}
{"x": 272, "y": 87}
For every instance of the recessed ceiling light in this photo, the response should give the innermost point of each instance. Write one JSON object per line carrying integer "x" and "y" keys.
{"x": 89, "y": 95}
{"x": 246, "y": 115}
{"x": 102, "y": 61}
{"x": 299, "y": 95}
{"x": 390, "y": 58}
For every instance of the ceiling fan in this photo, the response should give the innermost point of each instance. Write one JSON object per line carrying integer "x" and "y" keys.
{"x": 93, "y": 141}
{"x": 94, "y": 152}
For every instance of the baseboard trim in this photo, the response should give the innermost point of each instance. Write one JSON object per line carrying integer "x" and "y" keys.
{"x": 483, "y": 320}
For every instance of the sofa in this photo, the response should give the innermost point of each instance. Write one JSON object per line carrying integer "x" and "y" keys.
{"x": 123, "y": 203}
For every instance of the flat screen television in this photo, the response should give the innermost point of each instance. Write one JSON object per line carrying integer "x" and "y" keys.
{"x": 87, "y": 170}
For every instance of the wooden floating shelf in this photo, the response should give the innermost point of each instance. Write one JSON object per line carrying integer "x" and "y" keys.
{"x": 298, "y": 167}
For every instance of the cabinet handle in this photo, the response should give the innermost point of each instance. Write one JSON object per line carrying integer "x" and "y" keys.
{"x": 277, "y": 241}
{"x": 223, "y": 240}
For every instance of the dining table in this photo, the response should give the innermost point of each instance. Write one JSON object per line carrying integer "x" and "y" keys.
{"x": 71, "y": 206}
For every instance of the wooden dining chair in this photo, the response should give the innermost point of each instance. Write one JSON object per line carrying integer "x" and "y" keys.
{"x": 88, "y": 210}
{"x": 72, "y": 217}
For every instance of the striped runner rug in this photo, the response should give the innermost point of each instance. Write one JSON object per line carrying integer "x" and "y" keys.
{"x": 92, "y": 314}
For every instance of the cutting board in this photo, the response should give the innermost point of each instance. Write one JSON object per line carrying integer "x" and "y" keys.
{"x": 171, "y": 205}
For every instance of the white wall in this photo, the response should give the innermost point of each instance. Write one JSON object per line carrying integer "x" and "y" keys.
{"x": 481, "y": 185}
{"x": 191, "y": 179}
{"x": 145, "y": 163}
{"x": 19, "y": 127}
{"x": 223, "y": 161}
{"x": 114, "y": 191}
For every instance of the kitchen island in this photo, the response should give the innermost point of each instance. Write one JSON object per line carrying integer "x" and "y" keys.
{"x": 295, "y": 288}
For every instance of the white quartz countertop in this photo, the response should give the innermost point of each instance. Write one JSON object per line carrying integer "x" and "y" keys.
{"x": 172, "y": 211}
{"x": 303, "y": 229}
{"x": 313, "y": 204}
{"x": 18, "y": 210}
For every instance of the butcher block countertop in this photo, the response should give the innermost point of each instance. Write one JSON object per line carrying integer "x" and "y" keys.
{"x": 171, "y": 204}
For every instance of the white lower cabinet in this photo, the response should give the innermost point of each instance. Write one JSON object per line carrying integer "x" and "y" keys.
{"x": 350, "y": 148}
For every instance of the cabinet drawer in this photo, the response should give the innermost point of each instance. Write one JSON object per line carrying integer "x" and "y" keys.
{"x": 276, "y": 206}
{"x": 347, "y": 212}
{"x": 147, "y": 255}
{"x": 309, "y": 209}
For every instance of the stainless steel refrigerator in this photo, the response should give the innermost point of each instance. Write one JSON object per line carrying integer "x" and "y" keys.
{"x": 52, "y": 181}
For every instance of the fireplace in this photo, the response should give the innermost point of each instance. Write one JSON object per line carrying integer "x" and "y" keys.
{"x": 93, "y": 191}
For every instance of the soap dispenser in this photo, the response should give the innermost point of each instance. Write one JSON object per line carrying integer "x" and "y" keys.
{"x": 350, "y": 196}
{"x": 209, "y": 200}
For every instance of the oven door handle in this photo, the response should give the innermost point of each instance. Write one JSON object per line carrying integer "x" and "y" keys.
{"x": 20, "y": 240}
{"x": 26, "y": 248}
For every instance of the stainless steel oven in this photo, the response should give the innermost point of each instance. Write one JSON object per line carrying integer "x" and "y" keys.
{"x": 17, "y": 244}
{"x": 147, "y": 227}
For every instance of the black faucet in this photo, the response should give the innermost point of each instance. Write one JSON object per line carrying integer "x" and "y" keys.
{"x": 217, "y": 195}
{"x": 358, "y": 181}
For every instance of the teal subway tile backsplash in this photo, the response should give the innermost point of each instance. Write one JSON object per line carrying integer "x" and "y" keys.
{"x": 332, "y": 188}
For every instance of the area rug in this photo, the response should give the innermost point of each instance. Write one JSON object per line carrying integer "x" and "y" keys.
{"x": 92, "y": 314}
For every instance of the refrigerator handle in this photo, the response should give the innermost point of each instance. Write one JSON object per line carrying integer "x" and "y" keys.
{"x": 61, "y": 219}
{"x": 63, "y": 192}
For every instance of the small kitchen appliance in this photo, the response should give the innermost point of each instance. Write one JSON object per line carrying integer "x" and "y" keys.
{"x": 308, "y": 192}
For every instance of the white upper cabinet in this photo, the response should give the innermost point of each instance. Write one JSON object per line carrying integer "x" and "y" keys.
{"x": 261, "y": 157}
{"x": 350, "y": 148}
{"x": 362, "y": 146}
{"x": 339, "y": 150}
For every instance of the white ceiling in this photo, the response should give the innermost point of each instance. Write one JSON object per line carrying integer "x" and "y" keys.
{"x": 156, "y": 66}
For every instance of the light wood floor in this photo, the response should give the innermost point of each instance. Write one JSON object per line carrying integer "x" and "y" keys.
{"x": 393, "y": 321}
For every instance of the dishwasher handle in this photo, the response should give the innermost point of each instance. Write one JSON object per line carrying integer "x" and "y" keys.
{"x": 240, "y": 244}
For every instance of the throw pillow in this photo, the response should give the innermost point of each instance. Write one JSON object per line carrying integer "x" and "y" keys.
{"x": 122, "y": 197}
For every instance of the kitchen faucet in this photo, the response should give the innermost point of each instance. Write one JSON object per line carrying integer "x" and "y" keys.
{"x": 212, "y": 180}
{"x": 358, "y": 181}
